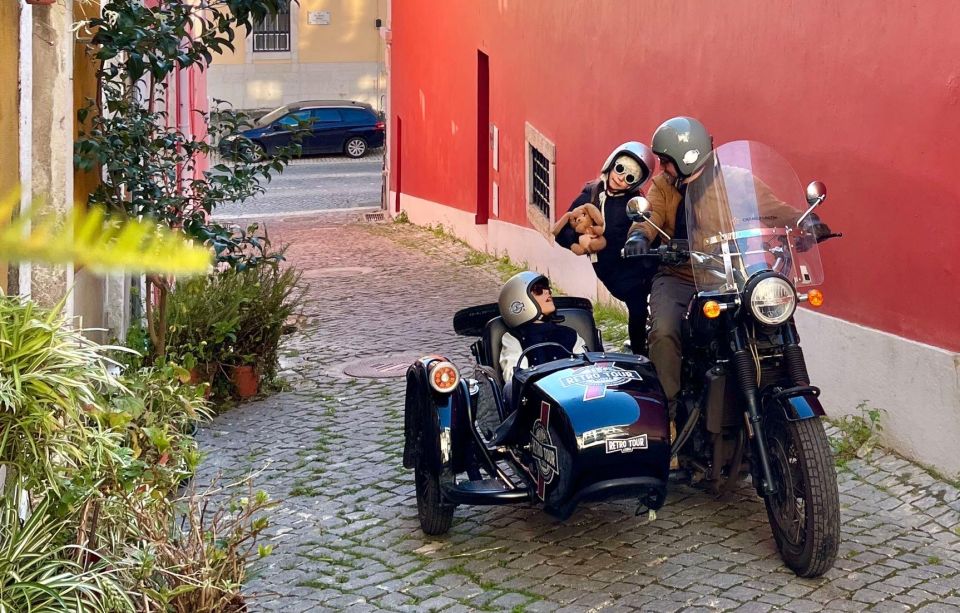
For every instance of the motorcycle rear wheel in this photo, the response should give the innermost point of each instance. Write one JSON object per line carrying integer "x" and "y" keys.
{"x": 804, "y": 514}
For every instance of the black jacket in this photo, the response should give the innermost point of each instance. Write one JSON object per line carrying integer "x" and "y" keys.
{"x": 620, "y": 276}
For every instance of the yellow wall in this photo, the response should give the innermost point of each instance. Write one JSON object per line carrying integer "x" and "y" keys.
{"x": 9, "y": 115}
{"x": 351, "y": 35}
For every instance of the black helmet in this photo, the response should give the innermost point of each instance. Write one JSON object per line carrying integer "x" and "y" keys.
{"x": 685, "y": 142}
{"x": 640, "y": 153}
{"x": 517, "y": 304}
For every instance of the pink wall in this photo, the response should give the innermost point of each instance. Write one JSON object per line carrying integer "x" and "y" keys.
{"x": 860, "y": 94}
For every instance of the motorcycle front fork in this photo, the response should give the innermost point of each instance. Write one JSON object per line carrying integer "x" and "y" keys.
{"x": 746, "y": 373}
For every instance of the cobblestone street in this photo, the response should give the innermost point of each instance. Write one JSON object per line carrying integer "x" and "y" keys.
{"x": 346, "y": 534}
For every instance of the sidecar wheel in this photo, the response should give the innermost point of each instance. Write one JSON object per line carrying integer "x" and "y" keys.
{"x": 805, "y": 513}
{"x": 435, "y": 515}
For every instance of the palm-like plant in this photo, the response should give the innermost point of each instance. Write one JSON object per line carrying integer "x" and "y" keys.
{"x": 49, "y": 374}
{"x": 37, "y": 573}
{"x": 98, "y": 243}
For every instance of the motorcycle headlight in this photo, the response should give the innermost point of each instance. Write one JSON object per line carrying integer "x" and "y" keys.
{"x": 773, "y": 300}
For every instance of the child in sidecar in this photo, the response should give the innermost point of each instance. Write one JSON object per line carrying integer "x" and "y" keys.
{"x": 526, "y": 306}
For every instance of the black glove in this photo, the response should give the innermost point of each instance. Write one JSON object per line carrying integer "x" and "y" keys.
{"x": 814, "y": 231}
{"x": 637, "y": 244}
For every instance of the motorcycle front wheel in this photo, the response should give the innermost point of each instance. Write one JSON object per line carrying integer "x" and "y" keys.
{"x": 804, "y": 514}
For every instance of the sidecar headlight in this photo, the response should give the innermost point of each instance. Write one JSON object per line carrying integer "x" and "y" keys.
{"x": 444, "y": 377}
{"x": 772, "y": 300}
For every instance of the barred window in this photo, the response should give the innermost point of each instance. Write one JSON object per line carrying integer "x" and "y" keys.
{"x": 272, "y": 33}
{"x": 540, "y": 181}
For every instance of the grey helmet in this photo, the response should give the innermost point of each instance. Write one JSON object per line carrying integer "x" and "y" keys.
{"x": 638, "y": 151}
{"x": 517, "y": 305}
{"x": 685, "y": 141}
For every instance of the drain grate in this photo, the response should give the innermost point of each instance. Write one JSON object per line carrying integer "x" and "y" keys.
{"x": 378, "y": 216}
{"x": 382, "y": 366}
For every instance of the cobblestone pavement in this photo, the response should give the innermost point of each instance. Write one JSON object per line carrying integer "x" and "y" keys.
{"x": 316, "y": 183}
{"x": 346, "y": 534}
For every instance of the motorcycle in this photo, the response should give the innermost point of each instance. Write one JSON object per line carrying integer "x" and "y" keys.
{"x": 746, "y": 400}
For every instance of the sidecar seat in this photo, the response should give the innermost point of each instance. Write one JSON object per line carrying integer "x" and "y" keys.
{"x": 580, "y": 320}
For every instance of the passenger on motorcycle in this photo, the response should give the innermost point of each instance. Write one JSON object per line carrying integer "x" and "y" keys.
{"x": 526, "y": 305}
{"x": 625, "y": 171}
{"x": 684, "y": 148}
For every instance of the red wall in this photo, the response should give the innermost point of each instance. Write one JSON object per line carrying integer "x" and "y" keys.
{"x": 862, "y": 95}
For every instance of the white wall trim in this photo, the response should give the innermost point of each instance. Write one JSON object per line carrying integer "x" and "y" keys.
{"x": 26, "y": 130}
{"x": 917, "y": 385}
{"x": 68, "y": 178}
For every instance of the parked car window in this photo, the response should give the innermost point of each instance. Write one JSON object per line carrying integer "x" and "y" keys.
{"x": 325, "y": 115}
{"x": 294, "y": 119}
{"x": 356, "y": 115}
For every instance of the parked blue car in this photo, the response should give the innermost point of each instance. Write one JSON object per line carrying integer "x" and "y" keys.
{"x": 328, "y": 126}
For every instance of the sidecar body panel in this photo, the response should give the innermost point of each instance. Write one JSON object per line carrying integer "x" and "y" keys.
{"x": 614, "y": 424}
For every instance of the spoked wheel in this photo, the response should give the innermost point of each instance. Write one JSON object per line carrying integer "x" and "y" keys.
{"x": 355, "y": 147}
{"x": 435, "y": 515}
{"x": 805, "y": 512}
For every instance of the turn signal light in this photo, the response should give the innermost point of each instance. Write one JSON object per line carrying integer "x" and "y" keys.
{"x": 444, "y": 377}
{"x": 711, "y": 308}
{"x": 815, "y": 297}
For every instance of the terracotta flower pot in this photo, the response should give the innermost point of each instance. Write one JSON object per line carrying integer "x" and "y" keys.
{"x": 246, "y": 380}
{"x": 41, "y": 2}
{"x": 203, "y": 374}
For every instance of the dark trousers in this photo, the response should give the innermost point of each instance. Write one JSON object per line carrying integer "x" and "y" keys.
{"x": 669, "y": 300}
{"x": 636, "y": 300}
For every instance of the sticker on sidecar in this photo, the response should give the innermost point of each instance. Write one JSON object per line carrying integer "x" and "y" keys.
{"x": 543, "y": 450}
{"x": 626, "y": 445}
{"x": 598, "y": 377}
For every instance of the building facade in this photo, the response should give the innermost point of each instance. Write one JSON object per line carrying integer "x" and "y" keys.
{"x": 500, "y": 111}
{"x": 317, "y": 50}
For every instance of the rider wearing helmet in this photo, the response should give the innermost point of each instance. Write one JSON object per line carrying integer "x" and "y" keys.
{"x": 526, "y": 305}
{"x": 684, "y": 147}
{"x": 622, "y": 175}
{"x": 685, "y": 150}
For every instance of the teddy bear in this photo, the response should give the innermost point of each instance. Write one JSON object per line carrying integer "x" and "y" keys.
{"x": 587, "y": 221}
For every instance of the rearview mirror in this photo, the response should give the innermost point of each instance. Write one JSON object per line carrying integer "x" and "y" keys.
{"x": 816, "y": 192}
{"x": 638, "y": 208}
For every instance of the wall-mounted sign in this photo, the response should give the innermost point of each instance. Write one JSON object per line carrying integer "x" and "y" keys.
{"x": 318, "y": 18}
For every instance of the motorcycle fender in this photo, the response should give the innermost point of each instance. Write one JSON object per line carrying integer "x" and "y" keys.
{"x": 800, "y": 407}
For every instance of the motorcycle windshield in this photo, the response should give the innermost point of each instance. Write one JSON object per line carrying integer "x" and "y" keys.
{"x": 742, "y": 215}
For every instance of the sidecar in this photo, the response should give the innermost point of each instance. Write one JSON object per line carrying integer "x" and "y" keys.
{"x": 587, "y": 427}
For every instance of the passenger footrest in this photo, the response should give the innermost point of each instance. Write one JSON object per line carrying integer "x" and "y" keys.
{"x": 485, "y": 491}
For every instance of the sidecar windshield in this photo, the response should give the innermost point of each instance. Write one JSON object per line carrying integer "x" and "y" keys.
{"x": 742, "y": 217}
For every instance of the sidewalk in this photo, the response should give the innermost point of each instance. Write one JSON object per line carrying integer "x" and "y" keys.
{"x": 346, "y": 533}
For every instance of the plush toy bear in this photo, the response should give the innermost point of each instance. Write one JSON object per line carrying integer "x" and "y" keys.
{"x": 587, "y": 221}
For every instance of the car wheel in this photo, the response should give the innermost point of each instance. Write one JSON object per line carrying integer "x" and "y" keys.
{"x": 355, "y": 147}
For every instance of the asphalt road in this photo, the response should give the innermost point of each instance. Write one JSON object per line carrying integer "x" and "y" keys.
{"x": 318, "y": 183}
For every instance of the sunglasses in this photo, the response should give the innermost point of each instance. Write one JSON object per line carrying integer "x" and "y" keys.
{"x": 536, "y": 290}
{"x": 630, "y": 178}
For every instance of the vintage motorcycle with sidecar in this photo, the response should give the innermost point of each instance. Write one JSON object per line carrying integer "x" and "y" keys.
{"x": 588, "y": 426}
{"x": 746, "y": 399}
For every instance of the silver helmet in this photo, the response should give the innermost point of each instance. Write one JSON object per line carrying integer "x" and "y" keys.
{"x": 685, "y": 142}
{"x": 517, "y": 304}
{"x": 640, "y": 153}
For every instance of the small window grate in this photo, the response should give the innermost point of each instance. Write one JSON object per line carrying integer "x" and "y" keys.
{"x": 272, "y": 33}
{"x": 540, "y": 181}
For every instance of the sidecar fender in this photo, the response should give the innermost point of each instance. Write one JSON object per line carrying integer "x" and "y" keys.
{"x": 797, "y": 403}
{"x": 433, "y": 423}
